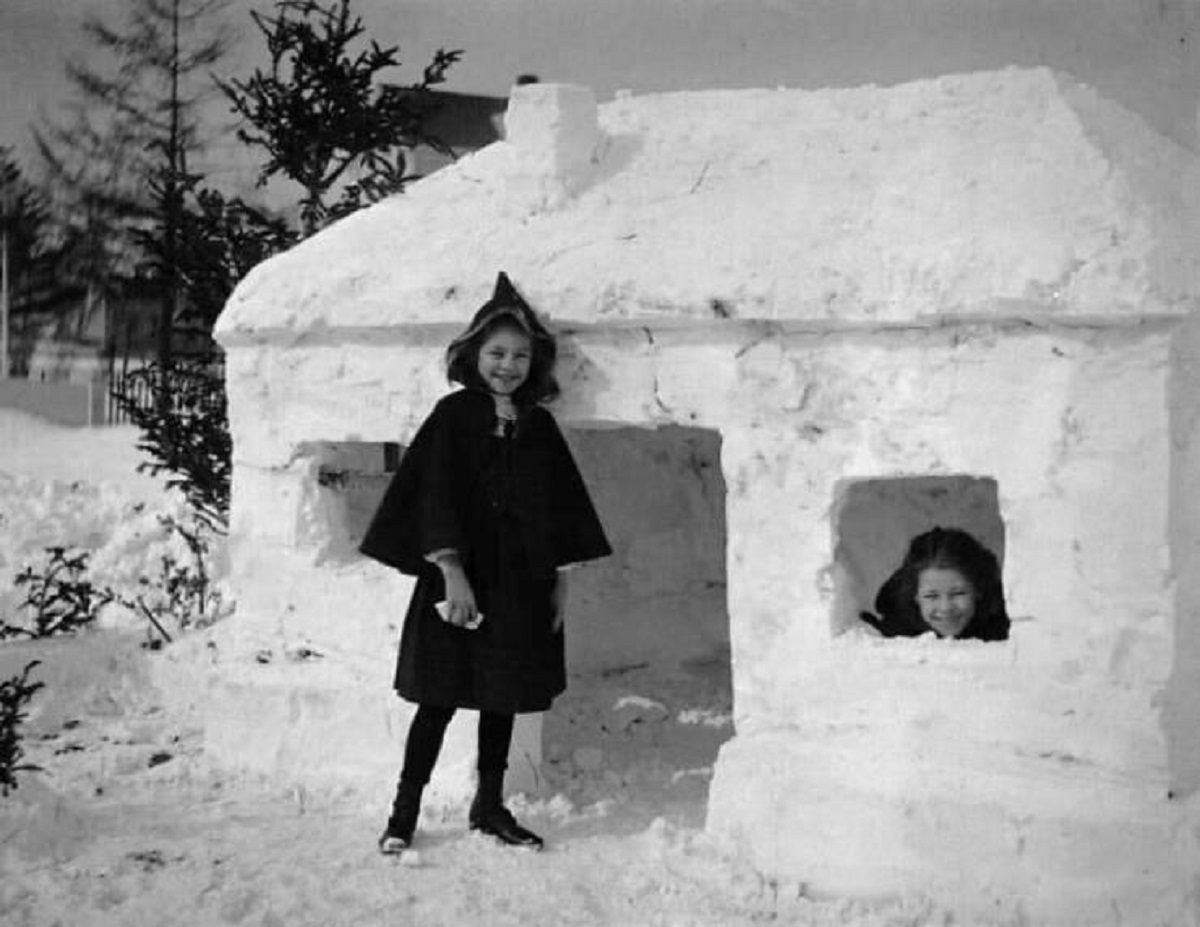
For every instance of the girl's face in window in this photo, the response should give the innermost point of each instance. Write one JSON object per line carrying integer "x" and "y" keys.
{"x": 946, "y": 599}
{"x": 504, "y": 359}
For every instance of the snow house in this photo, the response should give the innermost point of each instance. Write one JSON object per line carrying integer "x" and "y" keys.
{"x": 796, "y": 328}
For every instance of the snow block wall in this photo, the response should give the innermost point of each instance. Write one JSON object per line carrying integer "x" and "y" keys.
{"x": 986, "y": 278}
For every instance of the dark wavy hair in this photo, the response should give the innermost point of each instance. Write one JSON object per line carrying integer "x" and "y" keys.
{"x": 947, "y": 549}
{"x": 462, "y": 356}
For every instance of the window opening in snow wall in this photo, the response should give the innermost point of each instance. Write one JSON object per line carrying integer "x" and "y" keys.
{"x": 351, "y": 478}
{"x": 874, "y": 523}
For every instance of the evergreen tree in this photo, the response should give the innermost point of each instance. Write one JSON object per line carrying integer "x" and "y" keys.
{"x": 187, "y": 436}
{"x": 23, "y": 214}
{"x": 23, "y": 222}
{"x": 220, "y": 240}
{"x": 321, "y": 117}
{"x": 122, "y": 160}
{"x": 132, "y": 206}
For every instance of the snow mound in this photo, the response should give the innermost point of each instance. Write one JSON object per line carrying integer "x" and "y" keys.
{"x": 32, "y": 446}
{"x": 79, "y": 488}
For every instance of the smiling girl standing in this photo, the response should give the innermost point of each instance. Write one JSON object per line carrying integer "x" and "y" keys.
{"x": 486, "y": 511}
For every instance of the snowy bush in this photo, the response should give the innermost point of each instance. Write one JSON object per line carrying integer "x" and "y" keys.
{"x": 130, "y": 565}
{"x": 15, "y": 694}
{"x": 183, "y": 593}
{"x": 59, "y": 596}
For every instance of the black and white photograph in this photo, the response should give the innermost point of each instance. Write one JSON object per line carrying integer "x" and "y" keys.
{"x": 650, "y": 463}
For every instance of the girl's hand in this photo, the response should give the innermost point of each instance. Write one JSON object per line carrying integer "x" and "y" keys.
{"x": 460, "y": 598}
{"x": 558, "y": 602}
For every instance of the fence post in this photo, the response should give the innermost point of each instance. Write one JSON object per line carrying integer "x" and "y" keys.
{"x": 91, "y": 403}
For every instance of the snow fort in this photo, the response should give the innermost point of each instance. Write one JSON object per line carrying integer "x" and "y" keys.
{"x": 796, "y": 329}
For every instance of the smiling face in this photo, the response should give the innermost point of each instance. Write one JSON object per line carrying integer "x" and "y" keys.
{"x": 504, "y": 360}
{"x": 946, "y": 599}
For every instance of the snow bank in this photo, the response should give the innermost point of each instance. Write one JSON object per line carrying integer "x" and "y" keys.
{"x": 80, "y": 488}
{"x": 31, "y": 446}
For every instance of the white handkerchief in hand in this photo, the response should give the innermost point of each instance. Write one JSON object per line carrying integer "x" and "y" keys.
{"x": 443, "y": 610}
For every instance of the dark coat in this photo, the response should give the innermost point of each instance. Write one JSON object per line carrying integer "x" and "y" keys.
{"x": 515, "y": 508}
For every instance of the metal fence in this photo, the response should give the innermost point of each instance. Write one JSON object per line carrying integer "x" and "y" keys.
{"x": 136, "y": 385}
{"x": 90, "y": 403}
{"x": 129, "y": 384}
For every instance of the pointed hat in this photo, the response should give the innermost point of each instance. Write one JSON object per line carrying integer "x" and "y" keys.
{"x": 505, "y": 300}
{"x": 505, "y": 294}
{"x": 508, "y": 304}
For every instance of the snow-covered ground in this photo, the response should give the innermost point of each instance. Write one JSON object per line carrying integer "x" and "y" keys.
{"x": 127, "y": 823}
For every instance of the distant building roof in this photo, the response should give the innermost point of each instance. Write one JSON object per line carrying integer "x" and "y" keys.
{"x": 466, "y": 121}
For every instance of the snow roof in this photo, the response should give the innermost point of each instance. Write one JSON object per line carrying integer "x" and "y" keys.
{"x": 1012, "y": 193}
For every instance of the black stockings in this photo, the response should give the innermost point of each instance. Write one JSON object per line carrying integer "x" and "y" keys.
{"x": 495, "y": 737}
{"x": 428, "y": 729}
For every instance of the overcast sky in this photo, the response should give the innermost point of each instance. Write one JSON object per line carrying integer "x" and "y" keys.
{"x": 1142, "y": 53}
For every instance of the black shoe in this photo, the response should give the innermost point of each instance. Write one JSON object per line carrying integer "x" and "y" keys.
{"x": 397, "y": 836}
{"x": 391, "y": 844}
{"x": 498, "y": 822}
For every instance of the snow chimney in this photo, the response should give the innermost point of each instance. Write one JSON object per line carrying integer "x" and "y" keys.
{"x": 553, "y": 130}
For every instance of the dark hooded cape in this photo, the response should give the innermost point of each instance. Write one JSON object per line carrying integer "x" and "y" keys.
{"x": 515, "y": 508}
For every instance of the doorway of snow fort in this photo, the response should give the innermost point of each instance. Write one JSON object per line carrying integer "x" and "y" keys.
{"x": 649, "y": 696}
{"x": 875, "y": 519}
